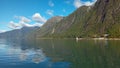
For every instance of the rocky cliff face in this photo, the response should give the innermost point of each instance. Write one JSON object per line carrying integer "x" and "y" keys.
{"x": 104, "y": 18}
{"x": 93, "y": 21}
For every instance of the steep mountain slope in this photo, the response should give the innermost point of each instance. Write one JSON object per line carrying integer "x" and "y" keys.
{"x": 49, "y": 26}
{"x": 94, "y": 21}
{"x": 87, "y": 21}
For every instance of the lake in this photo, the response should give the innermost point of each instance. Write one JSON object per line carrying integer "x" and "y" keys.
{"x": 59, "y": 53}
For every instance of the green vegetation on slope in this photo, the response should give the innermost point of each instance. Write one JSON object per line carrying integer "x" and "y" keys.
{"x": 94, "y": 21}
{"x": 87, "y": 21}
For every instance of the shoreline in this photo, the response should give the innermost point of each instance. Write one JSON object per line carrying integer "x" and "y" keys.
{"x": 97, "y": 38}
{"x": 101, "y": 38}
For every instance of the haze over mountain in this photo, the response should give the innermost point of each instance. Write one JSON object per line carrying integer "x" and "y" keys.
{"x": 18, "y": 34}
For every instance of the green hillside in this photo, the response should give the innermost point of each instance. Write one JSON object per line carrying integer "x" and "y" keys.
{"x": 93, "y": 21}
{"x": 98, "y": 20}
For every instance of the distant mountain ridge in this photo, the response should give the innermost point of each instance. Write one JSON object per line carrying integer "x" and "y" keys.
{"x": 18, "y": 33}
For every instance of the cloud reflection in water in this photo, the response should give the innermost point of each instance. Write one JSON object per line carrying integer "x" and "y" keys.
{"x": 34, "y": 55}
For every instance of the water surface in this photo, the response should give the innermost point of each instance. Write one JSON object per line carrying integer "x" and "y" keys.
{"x": 62, "y": 53}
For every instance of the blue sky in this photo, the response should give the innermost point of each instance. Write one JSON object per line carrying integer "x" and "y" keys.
{"x": 15, "y": 14}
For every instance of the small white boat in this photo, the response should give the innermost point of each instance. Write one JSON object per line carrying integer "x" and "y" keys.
{"x": 77, "y": 38}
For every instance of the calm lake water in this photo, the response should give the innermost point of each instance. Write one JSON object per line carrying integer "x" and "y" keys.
{"x": 59, "y": 54}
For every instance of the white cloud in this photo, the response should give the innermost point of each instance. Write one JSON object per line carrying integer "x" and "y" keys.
{"x": 24, "y": 19}
{"x": 50, "y": 12}
{"x": 31, "y": 25}
{"x": 79, "y": 3}
{"x": 1, "y": 31}
{"x": 51, "y": 4}
{"x": 38, "y": 24}
{"x": 13, "y": 25}
{"x": 38, "y": 18}
{"x": 25, "y": 22}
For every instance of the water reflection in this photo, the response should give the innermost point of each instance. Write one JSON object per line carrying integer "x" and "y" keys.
{"x": 34, "y": 55}
{"x": 61, "y": 54}
{"x": 28, "y": 54}
{"x": 38, "y": 56}
{"x": 101, "y": 42}
{"x": 23, "y": 55}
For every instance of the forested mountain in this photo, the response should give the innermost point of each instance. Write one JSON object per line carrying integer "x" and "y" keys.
{"x": 49, "y": 27}
{"x": 87, "y": 21}
{"x": 90, "y": 21}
